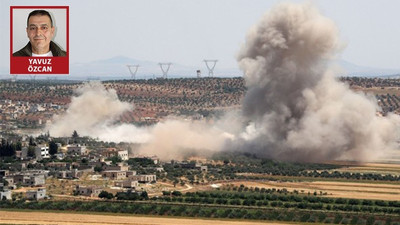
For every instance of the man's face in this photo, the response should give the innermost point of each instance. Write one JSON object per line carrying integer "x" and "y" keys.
{"x": 40, "y": 33}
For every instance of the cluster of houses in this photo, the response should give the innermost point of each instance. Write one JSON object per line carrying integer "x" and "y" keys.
{"x": 120, "y": 174}
{"x": 95, "y": 162}
{"x": 11, "y": 111}
{"x": 32, "y": 178}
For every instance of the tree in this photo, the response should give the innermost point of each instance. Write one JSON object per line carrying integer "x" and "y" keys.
{"x": 338, "y": 218}
{"x": 177, "y": 193}
{"x": 175, "y": 182}
{"x": 31, "y": 151}
{"x": 4, "y": 181}
{"x": 115, "y": 159}
{"x": 354, "y": 220}
{"x": 18, "y": 146}
{"x": 75, "y": 134}
{"x": 7, "y": 149}
{"x": 370, "y": 220}
{"x": 144, "y": 195}
{"x": 105, "y": 194}
{"x": 53, "y": 148}
{"x": 98, "y": 169}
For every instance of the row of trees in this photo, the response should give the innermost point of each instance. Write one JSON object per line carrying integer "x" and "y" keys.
{"x": 275, "y": 200}
{"x": 207, "y": 211}
{"x": 8, "y": 149}
{"x": 235, "y": 163}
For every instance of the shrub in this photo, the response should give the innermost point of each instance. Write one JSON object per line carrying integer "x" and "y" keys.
{"x": 105, "y": 194}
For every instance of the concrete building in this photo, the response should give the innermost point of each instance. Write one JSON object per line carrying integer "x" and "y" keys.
{"x": 127, "y": 183}
{"x": 68, "y": 174}
{"x": 114, "y": 174}
{"x": 29, "y": 179}
{"x": 42, "y": 152}
{"x": 77, "y": 150}
{"x": 10, "y": 180}
{"x": 57, "y": 165}
{"x": 203, "y": 168}
{"x": 119, "y": 166}
{"x": 144, "y": 178}
{"x": 112, "y": 152}
{"x": 90, "y": 191}
{"x": 130, "y": 173}
{"x": 5, "y": 194}
{"x": 36, "y": 194}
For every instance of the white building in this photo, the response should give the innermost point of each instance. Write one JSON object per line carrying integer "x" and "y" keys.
{"x": 144, "y": 178}
{"x": 42, "y": 152}
{"x": 5, "y": 194}
{"x": 36, "y": 194}
{"x": 111, "y": 152}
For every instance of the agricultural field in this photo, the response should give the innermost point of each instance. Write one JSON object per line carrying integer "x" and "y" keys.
{"x": 50, "y": 218}
{"x": 341, "y": 188}
{"x": 274, "y": 198}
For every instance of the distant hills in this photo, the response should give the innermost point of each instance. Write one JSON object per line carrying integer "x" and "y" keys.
{"x": 351, "y": 69}
{"x": 116, "y": 68}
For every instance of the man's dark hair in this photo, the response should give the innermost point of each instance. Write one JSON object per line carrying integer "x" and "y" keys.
{"x": 40, "y": 13}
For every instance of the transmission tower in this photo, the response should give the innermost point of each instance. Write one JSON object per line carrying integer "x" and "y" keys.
{"x": 133, "y": 71}
{"x": 165, "y": 71}
{"x": 210, "y": 69}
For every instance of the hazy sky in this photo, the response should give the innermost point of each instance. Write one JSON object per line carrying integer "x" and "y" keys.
{"x": 188, "y": 31}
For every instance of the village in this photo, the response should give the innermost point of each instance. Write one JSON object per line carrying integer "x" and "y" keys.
{"x": 76, "y": 170}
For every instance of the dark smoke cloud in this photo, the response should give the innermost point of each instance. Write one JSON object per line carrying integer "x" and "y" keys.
{"x": 296, "y": 108}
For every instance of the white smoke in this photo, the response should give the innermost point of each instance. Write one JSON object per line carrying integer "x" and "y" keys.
{"x": 298, "y": 111}
{"x": 93, "y": 113}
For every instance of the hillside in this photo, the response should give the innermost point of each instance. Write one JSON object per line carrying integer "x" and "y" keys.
{"x": 154, "y": 99}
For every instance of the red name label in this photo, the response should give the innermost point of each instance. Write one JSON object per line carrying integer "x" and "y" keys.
{"x": 39, "y": 65}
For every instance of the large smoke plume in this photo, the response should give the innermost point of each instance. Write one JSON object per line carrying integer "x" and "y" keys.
{"x": 94, "y": 111}
{"x": 294, "y": 108}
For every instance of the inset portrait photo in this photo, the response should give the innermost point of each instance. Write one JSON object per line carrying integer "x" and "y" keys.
{"x": 39, "y": 40}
